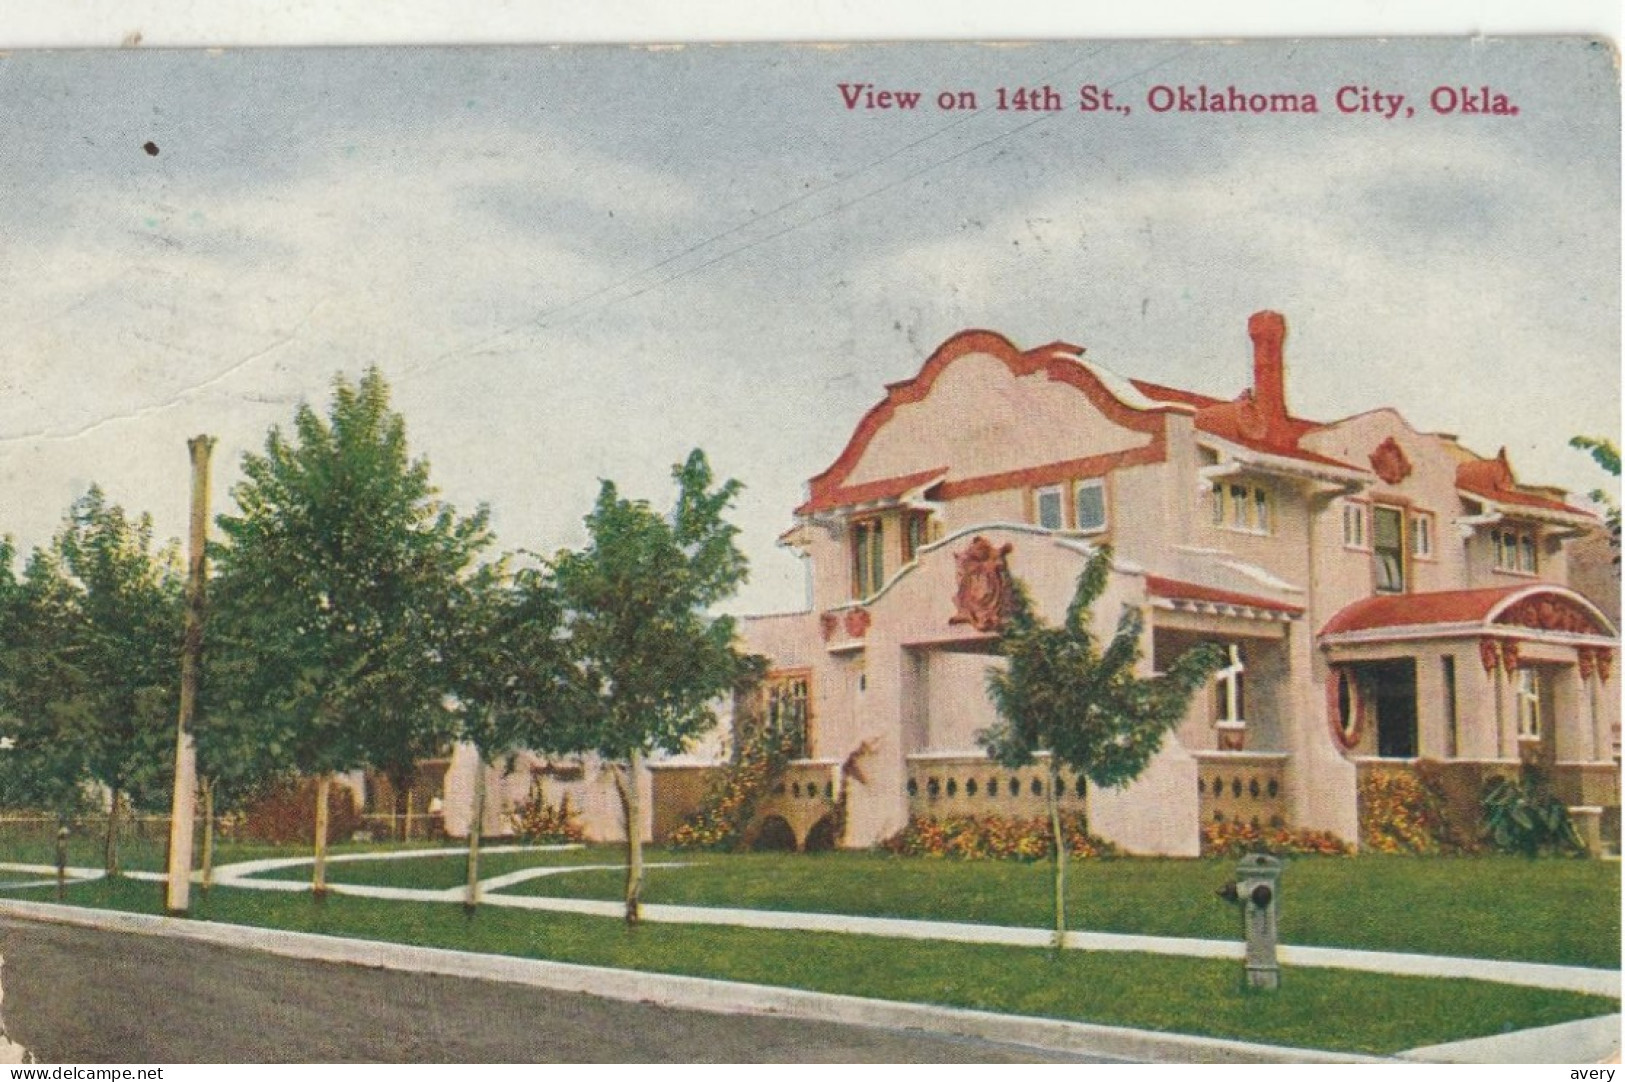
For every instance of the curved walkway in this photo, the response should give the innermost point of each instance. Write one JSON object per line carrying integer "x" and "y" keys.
{"x": 1603, "y": 982}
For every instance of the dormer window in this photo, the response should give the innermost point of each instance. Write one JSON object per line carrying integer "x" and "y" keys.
{"x": 1242, "y": 507}
{"x": 1515, "y": 549}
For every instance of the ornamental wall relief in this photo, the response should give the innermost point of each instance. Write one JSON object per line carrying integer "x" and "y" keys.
{"x": 986, "y": 595}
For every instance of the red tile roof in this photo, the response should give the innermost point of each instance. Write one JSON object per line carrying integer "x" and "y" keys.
{"x": 1492, "y": 479}
{"x": 1246, "y": 424}
{"x": 889, "y": 488}
{"x": 1402, "y": 610}
{"x": 1162, "y": 393}
{"x": 1174, "y": 590}
{"x": 1446, "y": 607}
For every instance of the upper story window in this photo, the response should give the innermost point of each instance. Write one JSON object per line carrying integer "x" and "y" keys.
{"x": 1515, "y": 549}
{"x": 1388, "y": 548}
{"x": 1242, "y": 507}
{"x": 1422, "y": 535}
{"x": 868, "y": 557}
{"x": 1050, "y": 504}
{"x": 1354, "y": 528}
{"x": 1076, "y": 505}
{"x": 916, "y": 532}
{"x": 1089, "y": 504}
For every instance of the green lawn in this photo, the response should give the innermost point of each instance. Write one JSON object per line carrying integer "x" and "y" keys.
{"x": 1348, "y": 1011}
{"x": 1561, "y": 911}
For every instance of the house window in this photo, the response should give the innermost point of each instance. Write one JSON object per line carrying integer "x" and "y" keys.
{"x": 916, "y": 526}
{"x": 1051, "y": 507}
{"x": 1089, "y": 501}
{"x": 1354, "y": 525}
{"x": 788, "y": 711}
{"x": 1515, "y": 549}
{"x": 868, "y": 557}
{"x": 1242, "y": 507}
{"x": 1229, "y": 691}
{"x": 1422, "y": 535}
{"x": 1388, "y": 548}
{"x": 1527, "y": 690}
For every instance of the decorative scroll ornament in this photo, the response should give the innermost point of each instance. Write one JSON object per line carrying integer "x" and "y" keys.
{"x": 1605, "y": 663}
{"x": 986, "y": 596}
{"x": 1489, "y": 654}
{"x": 1550, "y": 614}
{"x": 1389, "y": 462}
{"x": 1509, "y": 655}
{"x": 857, "y": 623}
{"x": 1588, "y": 662}
{"x": 1251, "y": 420}
{"x": 827, "y": 623}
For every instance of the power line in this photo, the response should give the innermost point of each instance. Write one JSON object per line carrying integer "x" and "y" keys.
{"x": 540, "y": 320}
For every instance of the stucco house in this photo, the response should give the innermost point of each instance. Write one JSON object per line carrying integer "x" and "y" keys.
{"x": 1384, "y": 595}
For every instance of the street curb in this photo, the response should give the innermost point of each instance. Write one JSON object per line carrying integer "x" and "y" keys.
{"x": 694, "y": 993}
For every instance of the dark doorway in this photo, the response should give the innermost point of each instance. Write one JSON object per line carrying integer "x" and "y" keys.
{"x": 820, "y": 836}
{"x": 774, "y": 833}
{"x": 1391, "y": 686}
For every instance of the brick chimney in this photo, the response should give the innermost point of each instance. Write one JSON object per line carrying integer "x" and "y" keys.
{"x": 1268, "y": 332}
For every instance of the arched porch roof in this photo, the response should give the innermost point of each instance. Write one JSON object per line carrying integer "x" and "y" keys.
{"x": 1543, "y": 610}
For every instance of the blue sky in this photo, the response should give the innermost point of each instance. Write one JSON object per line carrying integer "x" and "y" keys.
{"x": 579, "y": 263}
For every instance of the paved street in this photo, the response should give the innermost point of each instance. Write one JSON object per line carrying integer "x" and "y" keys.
{"x": 73, "y": 994}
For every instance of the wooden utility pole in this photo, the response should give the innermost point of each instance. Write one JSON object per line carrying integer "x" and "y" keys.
{"x": 183, "y": 808}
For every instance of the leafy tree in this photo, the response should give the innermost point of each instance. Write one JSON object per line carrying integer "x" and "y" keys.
{"x": 510, "y": 675}
{"x": 334, "y": 594}
{"x": 35, "y": 774}
{"x": 1606, "y": 455}
{"x": 647, "y": 658}
{"x": 92, "y": 669}
{"x": 1061, "y": 693}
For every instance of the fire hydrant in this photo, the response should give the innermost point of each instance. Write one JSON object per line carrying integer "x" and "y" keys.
{"x": 1257, "y": 891}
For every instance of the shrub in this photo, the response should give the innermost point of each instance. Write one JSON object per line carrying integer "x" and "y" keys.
{"x": 286, "y": 813}
{"x": 1523, "y": 816}
{"x": 993, "y": 837}
{"x": 731, "y": 802}
{"x": 536, "y": 820}
{"x": 1233, "y": 838}
{"x": 1400, "y": 813}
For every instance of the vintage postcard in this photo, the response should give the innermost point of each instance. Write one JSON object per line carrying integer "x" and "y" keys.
{"x": 1086, "y": 550}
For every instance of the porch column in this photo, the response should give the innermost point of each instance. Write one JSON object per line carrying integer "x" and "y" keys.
{"x": 1573, "y": 727}
{"x": 1506, "y": 738}
{"x": 1595, "y": 667}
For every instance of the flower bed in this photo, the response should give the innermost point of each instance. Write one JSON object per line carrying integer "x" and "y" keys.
{"x": 993, "y": 837}
{"x": 1232, "y": 838}
{"x": 536, "y": 820}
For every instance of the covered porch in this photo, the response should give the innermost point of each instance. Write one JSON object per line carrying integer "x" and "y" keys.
{"x": 1482, "y": 683}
